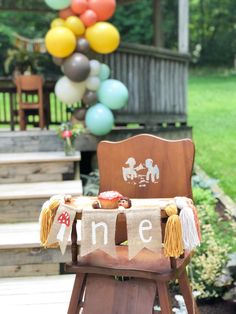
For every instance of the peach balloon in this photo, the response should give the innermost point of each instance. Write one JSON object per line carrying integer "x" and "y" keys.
{"x": 103, "y": 8}
{"x": 64, "y": 14}
{"x": 89, "y": 18}
{"x": 79, "y": 6}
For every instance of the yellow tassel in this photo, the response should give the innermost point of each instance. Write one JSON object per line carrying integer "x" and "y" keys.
{"x": 173, "y": 243}
{"x": 46, "y": 218}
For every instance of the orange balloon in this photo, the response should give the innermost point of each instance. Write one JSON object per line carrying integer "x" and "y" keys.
{"x": 103, "y": 8}
{"x": 64, "y": 14}
{"x": 79, "y": 6}
{"x": 89, "y": 18}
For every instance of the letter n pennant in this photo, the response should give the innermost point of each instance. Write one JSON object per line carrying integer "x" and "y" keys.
{"x": 98, "y": 229}
{"x": 144, "y": 230}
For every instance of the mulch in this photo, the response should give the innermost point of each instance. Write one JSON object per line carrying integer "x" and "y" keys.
{"x": 217, "y": 307}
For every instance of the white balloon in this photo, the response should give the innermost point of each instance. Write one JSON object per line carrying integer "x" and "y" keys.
{"x": 95, "y": 67}
{"x": 93, "y": 83}
{"x": 69, "y": 92}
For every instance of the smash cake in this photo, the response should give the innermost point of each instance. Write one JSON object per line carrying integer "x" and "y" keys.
{"x": 109, "y": 199}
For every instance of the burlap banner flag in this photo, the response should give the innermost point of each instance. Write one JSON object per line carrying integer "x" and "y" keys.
{"x": 98, "y": 229}
{"x": 144, "y": 230}
{"x": 61, "y": 227}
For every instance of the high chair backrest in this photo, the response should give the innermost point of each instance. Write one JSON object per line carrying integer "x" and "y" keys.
{"x": 146, "y": 166}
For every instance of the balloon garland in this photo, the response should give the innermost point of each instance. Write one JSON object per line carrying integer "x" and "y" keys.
{"x": 81, "y": 26}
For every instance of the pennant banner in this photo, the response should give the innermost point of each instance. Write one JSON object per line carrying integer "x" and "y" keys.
{"x": 31, "y": 45}
{"x": 98, "y": 228}
{"x": 62, "y": 225}
{"x": 144, "y": 230}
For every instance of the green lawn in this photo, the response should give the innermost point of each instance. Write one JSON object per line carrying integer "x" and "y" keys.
{"x": 212, "y": 113}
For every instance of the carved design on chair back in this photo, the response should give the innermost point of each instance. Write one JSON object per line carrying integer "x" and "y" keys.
{"x": 141, "y": 173}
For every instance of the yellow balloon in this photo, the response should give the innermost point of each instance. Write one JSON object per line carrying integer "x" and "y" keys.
{"x": 103, "y": 37}
{"x": 75, "y": 25}
{"x": 57, "y": 22}
{"x": 60, "y": 41}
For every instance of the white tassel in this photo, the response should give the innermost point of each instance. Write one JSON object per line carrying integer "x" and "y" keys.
{"x": 181, "y": 202}
{"x": 189, "y": 230}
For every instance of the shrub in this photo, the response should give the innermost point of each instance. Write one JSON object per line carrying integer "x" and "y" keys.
{"x": 217, "y": 242}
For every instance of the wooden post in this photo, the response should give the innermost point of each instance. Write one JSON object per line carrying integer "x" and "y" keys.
{"x": 157, "y": 22}
{"x": 74, "y": 245}
{"x": 183, "y": 40}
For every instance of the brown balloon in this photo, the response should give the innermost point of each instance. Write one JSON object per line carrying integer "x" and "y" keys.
{"x": 82, "y": 45}
{"x": 77, "y": 67}
{"x": 79, "y": 113}
{"x": 89, "y": 98}
{"x": 58, "y": 61}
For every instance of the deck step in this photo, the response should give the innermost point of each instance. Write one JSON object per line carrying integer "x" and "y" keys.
{"x": 17, "y": 191}
{"x": 46, "y": 294}
{"x": 37, "y": 157}
{"x": 38, "y": 167}
{"x": 22, "y": 255}
{"x": 22, "y": 202}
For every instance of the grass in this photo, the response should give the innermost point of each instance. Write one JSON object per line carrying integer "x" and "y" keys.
{"x": 212, "y": 113}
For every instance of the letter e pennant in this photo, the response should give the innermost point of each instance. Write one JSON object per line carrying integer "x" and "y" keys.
{"x": 144, "y": 230}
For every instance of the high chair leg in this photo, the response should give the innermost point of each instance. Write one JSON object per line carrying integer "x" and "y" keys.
{"x": 186, "y": 291}
{"x": 77, "y": 294}
{"x": 164, "y": 297}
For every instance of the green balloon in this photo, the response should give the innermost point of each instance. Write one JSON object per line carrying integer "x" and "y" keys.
{"x": 58, "y": 4}
{"x": 99, "y": 119}
{"x": 104, "y": 72}
{"x": 113, "y": 93}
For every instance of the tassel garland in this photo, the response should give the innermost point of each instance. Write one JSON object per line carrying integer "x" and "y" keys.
{"x": 173, "y": 243}
{"x": 197, "y": 222}
{"x": 47, "y": 215}
{"x": 189, "y": 230}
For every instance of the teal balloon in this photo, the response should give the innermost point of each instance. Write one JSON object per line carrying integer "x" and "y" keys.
{"x": 99, "y": 119}
{"x": 58, "y": 4}
{"x": 114, "y": 94}
{"x": 104, "y": 72}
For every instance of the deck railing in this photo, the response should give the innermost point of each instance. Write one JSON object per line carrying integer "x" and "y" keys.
{"x": 156, "y": 80}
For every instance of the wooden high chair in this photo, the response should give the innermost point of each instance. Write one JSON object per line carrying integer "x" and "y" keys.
{"x": 143, "y": 166}
{"x": 30, "y": 87}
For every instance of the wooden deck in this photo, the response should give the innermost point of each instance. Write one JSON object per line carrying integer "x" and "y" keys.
{"x": 48, "y": 294}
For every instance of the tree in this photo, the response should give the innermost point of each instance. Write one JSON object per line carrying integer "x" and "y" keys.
{"x": 213, "y": 31}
